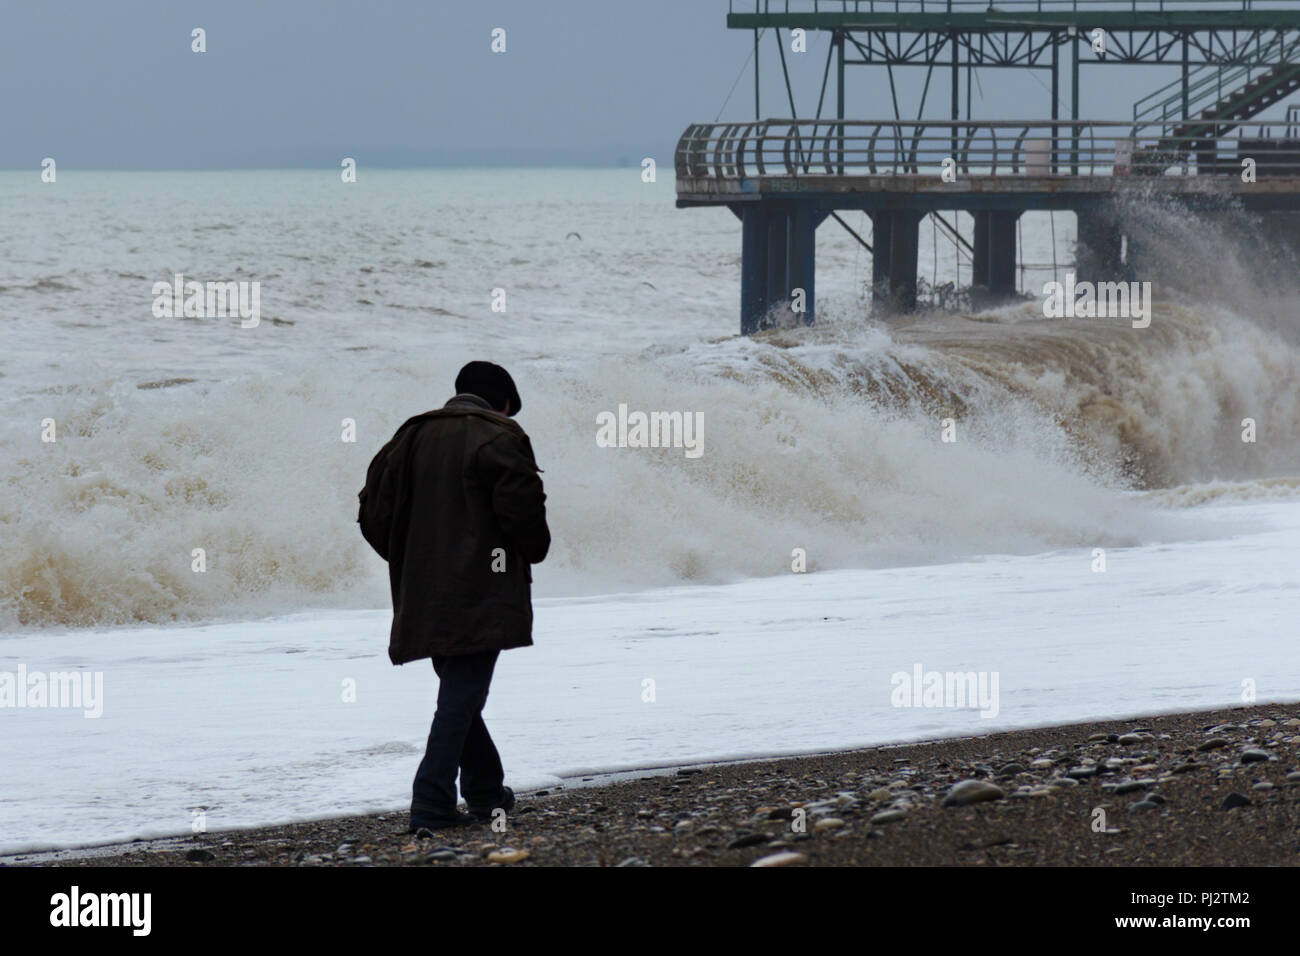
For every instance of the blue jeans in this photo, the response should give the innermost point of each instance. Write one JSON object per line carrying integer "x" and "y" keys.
{"x": 459, "y": 740}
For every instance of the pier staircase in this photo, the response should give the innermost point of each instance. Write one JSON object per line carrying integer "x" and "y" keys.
{"x": 1218, "y": 99}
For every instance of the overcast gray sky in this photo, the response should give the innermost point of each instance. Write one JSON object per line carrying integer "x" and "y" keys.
{"x": 105, "y": 84}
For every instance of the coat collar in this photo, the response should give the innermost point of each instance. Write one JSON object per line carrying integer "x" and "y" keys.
{"x": 467, "y": 399}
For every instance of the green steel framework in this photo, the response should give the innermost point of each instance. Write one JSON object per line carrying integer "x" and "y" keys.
{"x": 1026, "y": 34}
{"x": 1209, "y": 37}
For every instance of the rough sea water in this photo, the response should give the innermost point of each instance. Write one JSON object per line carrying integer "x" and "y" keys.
{"x": 176, "y": 434}
{"x": 184, "y": 433}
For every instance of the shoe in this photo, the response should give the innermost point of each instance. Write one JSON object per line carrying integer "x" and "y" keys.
{"x": 506, "y": 803}
{"x": 430, "y": 822}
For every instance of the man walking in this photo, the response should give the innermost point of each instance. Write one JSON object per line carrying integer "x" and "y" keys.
{"x": 454, "y": 504}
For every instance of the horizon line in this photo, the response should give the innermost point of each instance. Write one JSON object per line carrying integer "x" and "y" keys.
{"x": 333, "y": 169}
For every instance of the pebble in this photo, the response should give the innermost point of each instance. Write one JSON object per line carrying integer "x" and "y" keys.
{"x": 1133, "y": 738}
{"x": 1236, "y": 800}
{"x": 507, "y": 855}
{"x": 1262, "y": 785}
{"x": 200, "y": 856}
{"x": 747, "y": 839}
{"x": 1255, "y": 755}
{"x": 786, "y": 858}
{"x": 1042, "y": 763}
{"x": 1144, "y": 805}
{"x": 1293, "y": 776}
{"x": 1129, "y": 786}
{"x": 439, "y": 856}
{"x": 972, "y": 791}
{"x": 1213, "y": 743}
{"x": 828, "y": 823}
{"x": 361, "y": 859}
{"x": 889, "y": 816}
{"x": 633, "y": 861}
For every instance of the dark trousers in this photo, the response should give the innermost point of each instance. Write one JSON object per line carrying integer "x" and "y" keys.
{"x": 459, "y": 739}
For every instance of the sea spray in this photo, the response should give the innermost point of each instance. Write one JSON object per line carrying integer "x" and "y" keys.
{"x": 825, "y": 445}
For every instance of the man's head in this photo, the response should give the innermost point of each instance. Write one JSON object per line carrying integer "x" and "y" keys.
{"x": 491, "y": 383}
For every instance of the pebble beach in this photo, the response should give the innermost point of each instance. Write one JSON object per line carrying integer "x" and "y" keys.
{"x": 1207, "y": 788}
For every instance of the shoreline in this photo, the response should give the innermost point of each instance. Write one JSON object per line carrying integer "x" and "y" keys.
{"x": 1202, "y": 787}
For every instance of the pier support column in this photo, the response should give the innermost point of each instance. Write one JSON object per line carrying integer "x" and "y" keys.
{"x": 1133, "y": 257}
{"x": 778, "y": 262}
{"x": 895, "y": 242}
{"x": 882, "y": 238}
{"x": 778, "y": 255}
{"x": 753, "y": 267}
{"x": 994, "y": 259}
{"x": 1097, "y": 248}
{"x": 979, "y": 262}
{"x": 801, "y": 265}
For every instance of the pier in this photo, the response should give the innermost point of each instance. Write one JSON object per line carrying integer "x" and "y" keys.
{"x": 1193, "y": 140}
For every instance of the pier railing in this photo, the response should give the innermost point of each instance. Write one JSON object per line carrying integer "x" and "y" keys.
{"x": 855, "y": 148}
{"x": 1002, "y": 6}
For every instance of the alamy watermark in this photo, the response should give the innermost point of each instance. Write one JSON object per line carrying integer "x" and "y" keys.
{"x": 74, "y": 908}
{"x": 1101, "y": 300}
{"x": 954, "y": 689}
{"x": 651, "y": 430}
{"x": 198, "y": 300}
{"x": 57, "y": 689}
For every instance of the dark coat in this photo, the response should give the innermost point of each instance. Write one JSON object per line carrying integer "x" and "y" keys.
{"x": 454, "y": 504}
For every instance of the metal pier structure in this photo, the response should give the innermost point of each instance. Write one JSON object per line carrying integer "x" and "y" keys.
{"x": 1188, "y": 140}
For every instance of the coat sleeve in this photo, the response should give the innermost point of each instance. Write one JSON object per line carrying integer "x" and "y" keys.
{"x": 377, "y": 504}
{"x": 506, "y": 467}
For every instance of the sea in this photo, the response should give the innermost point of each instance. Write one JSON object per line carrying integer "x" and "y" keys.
{"x": 1101, "y": 520}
